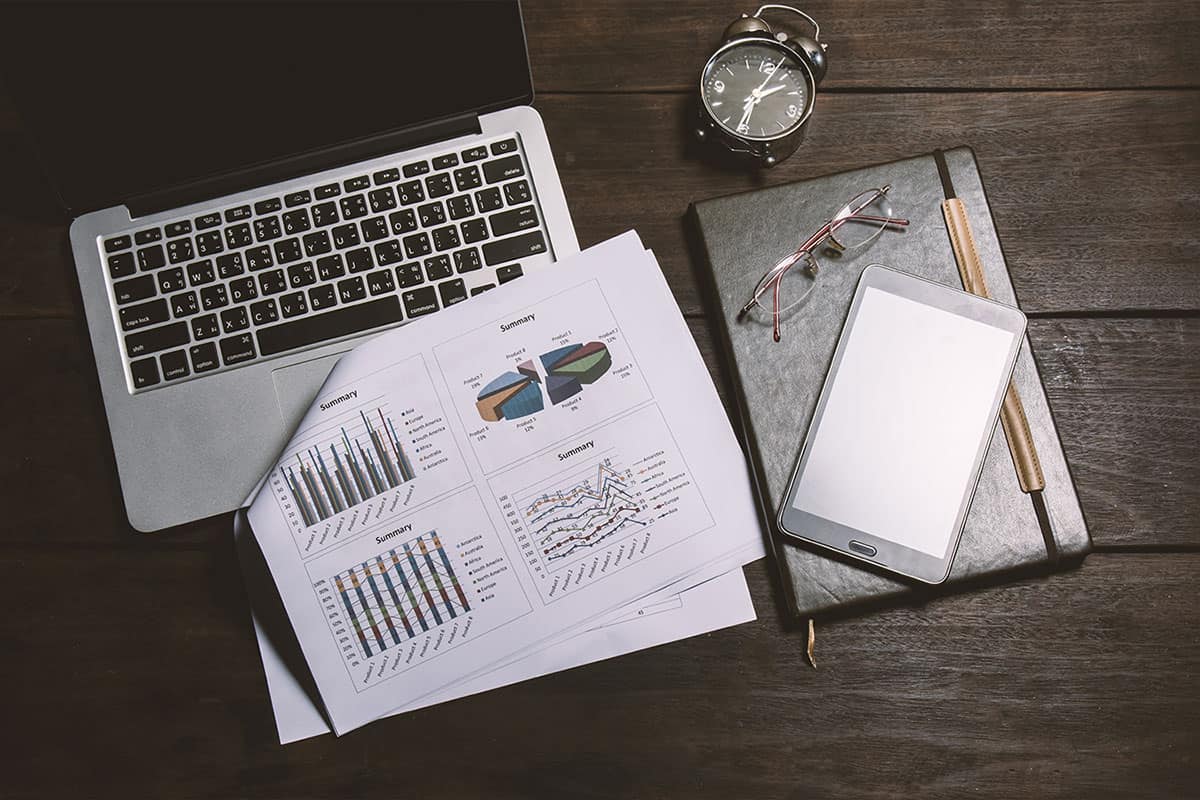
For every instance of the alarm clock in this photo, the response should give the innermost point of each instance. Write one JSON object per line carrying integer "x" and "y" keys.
{"x": 758, "y": 88}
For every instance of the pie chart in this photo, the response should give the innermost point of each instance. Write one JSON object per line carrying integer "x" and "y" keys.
{"x": 564, "y": 372}
{"x": 512, "y": 395}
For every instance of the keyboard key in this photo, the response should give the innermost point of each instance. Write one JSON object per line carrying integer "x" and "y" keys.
{"x": 345, "y": 236}
{"x": 287, "y": 251}
{"x": 117, "y": 243}
{"x": 431, "y": 214}
{"x": 236, "y": 349}
{"x": 214, "y": 297}
{"x": 331, "y": 267}
{"x": 474, "y": 230}
{"x": 482, "y": 289}
{"x": 140, "y": 316}
{"x": 209, "y": 243}
{"x": 503, "y": 169}
{"x": 205, "y": 327}
{"x": 151, "y": 258}
{"x": 468, "y": 178}
{"x": 147, "y": 236}
{"x": 321, "y": 297}
{"x": 388, "y": 252}
{"x": 179, "y": 250}
{"x": 269, "y": 206}
{"x": 527, "y": 244}
{"x": 489, "y": 200}
{"x": 238, "y": 214}
{"x": 467, "y": 260}
{"x": 300, "y": 275}
{"x": 317, "y": 243}
{"x": 374, "y": 229}
{"x": 238, "y": 235}
{"x": 382, "y": 200}
{"x": 327, "y": 191}
{"x": 145, "y": 373}
{"x": 460, "y": 206}
{"x": 171, "y": 280}
{"x": 359, "y": 260}
{"x": 474, "y": 154}
{"x": 324, "y": 214}
{"x": 330, "y": 325}
{"x": 272, "y": 282}
{"x": 416, "y": 245}
{"x": 234, "y": 319}
{"x": 508, "y": 222}
{"x": 201, "y": 273}
{"x": 122, "y": 265}
{"x": 296, "y": 221}
{"x": 403, "y": 221}
{"x": 208, "y": 221}
{"x": 446, "y": 238}
{"x": 438, "y": 267}
{"x": 446, "y": 161}
{"x": 184, "y": 305}
{"x": 416, "y": 168}
{"x": 174, "y": 365}
{"x": 357, "y": 184}
{"x": 351, "y": 289}
{"x": 506, "y": 146}
{"x": 230, "y": 265}
{"x": 419, "y": 302}
{"x": 178, "y": 228}
{"x": 452, "y": 292}
{"x": 267, "y": 228}
{"x": 408, "y": 275}
{"x": 143, "y": 343}
{"x": 264, "y": 312}
{"x": 438, "y": 185}
{"x": 134, "y": 289}
{"x": 517, "y": 193}
{"x": 292, "y": 305}
{"x": 410, "y": 193}
{"x": 204, "y": 357}
{"x": 380, "y": 282}
{"x": 243, "y": 289}
{"x": 297, "y": 198}
{"x": 508, "y": 273}
{"x": 259, "y": 258}
{"x": 386, "y": 176}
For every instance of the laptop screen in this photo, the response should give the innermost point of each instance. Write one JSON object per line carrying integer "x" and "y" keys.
{"x": 123, "y": 100}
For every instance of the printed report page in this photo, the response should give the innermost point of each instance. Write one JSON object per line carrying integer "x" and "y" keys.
{"x": 485, "y": 479}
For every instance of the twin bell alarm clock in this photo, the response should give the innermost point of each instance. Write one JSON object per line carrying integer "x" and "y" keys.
{"x": 757, "y": 89}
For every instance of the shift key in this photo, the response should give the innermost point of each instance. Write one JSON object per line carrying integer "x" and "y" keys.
{"x": 527, "y": 244}
{"x": 155, "y": 339}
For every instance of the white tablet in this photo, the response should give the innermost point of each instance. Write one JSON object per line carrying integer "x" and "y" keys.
{"x": 893, "y": 454}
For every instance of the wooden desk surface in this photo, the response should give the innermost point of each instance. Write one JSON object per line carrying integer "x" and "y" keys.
{"x": 129, "y": 667}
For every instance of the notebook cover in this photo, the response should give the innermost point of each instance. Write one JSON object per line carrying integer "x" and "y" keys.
{"x": 775, "y": 385}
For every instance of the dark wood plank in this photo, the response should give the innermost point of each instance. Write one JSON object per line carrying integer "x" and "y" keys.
{"x": 629, "y": 45}
{"x": 1126, "y": 394}
{"x": 141, "y": 666}
{"x": 1093, "y": 193}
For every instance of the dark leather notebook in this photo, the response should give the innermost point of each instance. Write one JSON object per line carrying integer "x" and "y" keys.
{"x": 776, "y": 385}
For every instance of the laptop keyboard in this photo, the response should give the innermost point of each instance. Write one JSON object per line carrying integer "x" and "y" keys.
{"x": 237, "y": 285}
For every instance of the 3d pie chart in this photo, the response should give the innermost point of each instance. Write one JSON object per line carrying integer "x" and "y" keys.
{"x": 563, "y": 374}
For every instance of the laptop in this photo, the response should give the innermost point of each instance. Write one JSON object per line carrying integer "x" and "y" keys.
{"x": 257, "y": 188}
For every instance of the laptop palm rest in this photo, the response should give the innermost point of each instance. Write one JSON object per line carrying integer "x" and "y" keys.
{"x": 296, "y": 386}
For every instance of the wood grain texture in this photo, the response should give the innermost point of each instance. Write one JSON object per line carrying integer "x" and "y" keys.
{"x": 141, "y": 665}
{"x": 631, "y": 45}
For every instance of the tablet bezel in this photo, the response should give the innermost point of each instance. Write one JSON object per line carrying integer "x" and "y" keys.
{"x": 835, "y": 536}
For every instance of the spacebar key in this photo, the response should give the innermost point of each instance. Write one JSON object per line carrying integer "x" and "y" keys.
{"x": 330, "y": 325}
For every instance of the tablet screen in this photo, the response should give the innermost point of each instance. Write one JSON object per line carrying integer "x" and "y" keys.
{"x": 894, "y": 450}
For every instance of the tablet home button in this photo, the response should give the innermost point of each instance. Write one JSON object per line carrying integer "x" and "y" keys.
{"x": 861, "y": 548}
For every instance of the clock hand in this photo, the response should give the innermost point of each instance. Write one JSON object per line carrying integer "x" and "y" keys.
{"x": 745, "y": 120}
{"x": 771, "y": 91}
{"x": 769, "y": 76}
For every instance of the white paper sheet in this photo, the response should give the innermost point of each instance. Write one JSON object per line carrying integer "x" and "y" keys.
{"x": 464, "y": 492}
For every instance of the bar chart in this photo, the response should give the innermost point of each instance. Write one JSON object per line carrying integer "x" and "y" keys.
{"x": 352, "y": 463}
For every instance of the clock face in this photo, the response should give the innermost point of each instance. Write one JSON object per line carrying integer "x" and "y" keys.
{"x": 756, "y": 90}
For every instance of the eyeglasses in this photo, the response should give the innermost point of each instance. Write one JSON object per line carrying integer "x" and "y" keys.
{"x": 855, "y": 225}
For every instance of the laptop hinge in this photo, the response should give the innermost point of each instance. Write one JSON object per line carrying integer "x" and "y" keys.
{"x": 305, "y": 164}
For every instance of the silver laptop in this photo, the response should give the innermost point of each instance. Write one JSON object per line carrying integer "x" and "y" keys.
{"x": 257, "y": 188}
